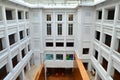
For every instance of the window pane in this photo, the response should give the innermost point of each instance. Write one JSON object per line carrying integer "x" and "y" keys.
{"x": 97, "y": 35}
{"x": 111, "y": 13}
{"x": 70, "y": 44}
{"x": 105, "y": 64}
{"x": 1, "y": 44}
{"x": 59, "y": 44}
{"x": 70, "y": 17}
{"x": 85, "y": 50}
{"x": 3, "y": 72}
{"x": 9, "y": 15}
{"x": 108, "y": 40}
{"x": 14, "y": 61}
{"x": 49, "y": 44}
{"x": 59, "y": 29}
{"x": 59, "y": 56}
{"x": 59, "y": 17}
{"x": 69, "y": 56}
{"x": 48, "y": 17}
{"x": 99, "y": 14}
{"x": 21, "y": 34}
{"x": 12, "y": 39}
{"x": 27, "y": 32}
{"x": 19, "y": 15}
{"x": 96, "y": 54}
{"x": 48, "y": 29}
{"x": 49, "y": 56}
{"x": 26, "y": 15}
{"x": 70, "y": 29}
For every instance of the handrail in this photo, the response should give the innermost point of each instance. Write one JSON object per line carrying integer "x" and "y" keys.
{"x": 81, "y": 68}
{"x": 38, "y": 73}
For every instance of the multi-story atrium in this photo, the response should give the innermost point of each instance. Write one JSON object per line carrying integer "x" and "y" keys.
{"x": 59, "y": 39}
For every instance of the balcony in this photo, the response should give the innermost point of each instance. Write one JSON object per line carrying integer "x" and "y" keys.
{"x": 109, "y": 22}
{"x": 78, "y": 73}
{"x": 11, "y": 21}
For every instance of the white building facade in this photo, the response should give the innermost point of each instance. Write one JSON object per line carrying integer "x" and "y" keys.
{"x": 32, "y": 34}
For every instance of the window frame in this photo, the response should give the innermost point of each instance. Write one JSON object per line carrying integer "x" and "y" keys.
{"x": 61, "y": 55}
{"x": 51, "y": 57}
{"x": 48, "y": 17}
{"x": 70, "y": 29}
{"x": 59, "y": 17}
{"x": 49, "y": 29}
{"x": 70, "y": 17}
{"x": 59, "y": 29}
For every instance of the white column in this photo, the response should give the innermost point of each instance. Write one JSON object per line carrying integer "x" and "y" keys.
{"x": 45, "y": 72}
{"x": 22, "y": 75}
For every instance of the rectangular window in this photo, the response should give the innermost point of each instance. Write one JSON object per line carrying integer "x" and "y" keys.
{"x": 70, "y": 44}
{"x": 97, "y": 35}
{"x": 116, "y": 75}
{"x": 49, "y": 29}
{"x": 11, "y": 39}
{"x": 108, "y": 40}
{"x": 49, "y": 56}
{"x": 21, "y": 35}
{"x": 70, "y": 17}
{"x": 96, "y": 54}
{"x": 14, "y": 61}
{"x": 104, "y": 63}
{"x": 59, "y": 17}
{"x": 9, "y": 14}
{"x": 99, "y": 15}
{"x": 19, "y": 14}
{"x": 27, "y": 32}
{"x": 110, "y": 15}
{"x": 69, "y": 57}
{"x": 3, "y": 72}
{"x": 59, "y": 29}
{"x": 49, "y": 44}
{"x": 27, "y": 15}
{"x": 70, "y": 29}
{"x": 23, "y": 53}
{"x": 85, "y": 65}
{"x": 1, "y": 44}
{"x": 29, "y": 48}
{"x": 118, "y": 46}
{"x": 85, "y": 50}
{"x": 59, "y": 44}
{"x": 59, "y": 56}
{"x": 48, "y": 17}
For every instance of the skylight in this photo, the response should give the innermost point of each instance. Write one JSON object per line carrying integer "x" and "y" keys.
{"x": 58, "y": 2}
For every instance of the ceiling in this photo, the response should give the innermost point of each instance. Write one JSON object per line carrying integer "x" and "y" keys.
{"x": 57, "y": 2}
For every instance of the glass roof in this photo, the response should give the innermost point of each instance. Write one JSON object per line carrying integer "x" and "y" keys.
{"x": 58, "y": 2}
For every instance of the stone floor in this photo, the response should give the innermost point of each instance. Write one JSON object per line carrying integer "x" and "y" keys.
{"x": 60, "y": 77}
{"x": 29, "y": 75}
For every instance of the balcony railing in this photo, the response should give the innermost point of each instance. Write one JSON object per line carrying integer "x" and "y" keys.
{"x": 79, "y": 72}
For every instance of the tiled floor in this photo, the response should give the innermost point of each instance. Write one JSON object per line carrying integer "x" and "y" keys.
{"x": 29, "y": 75}
{"x": 60, "y": 77}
